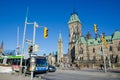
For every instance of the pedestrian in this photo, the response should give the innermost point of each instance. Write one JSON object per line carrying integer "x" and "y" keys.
{"x": 101, "y": 64}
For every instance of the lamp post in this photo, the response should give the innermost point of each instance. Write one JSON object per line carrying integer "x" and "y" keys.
{"x": 34, "y": 33}
{"x": 24, "y": 34}
{"x": 103, "y": 43}
{"x": 104, "y": 58}
{"x": 33, "y": 43}
{"x": 109, "y": 61}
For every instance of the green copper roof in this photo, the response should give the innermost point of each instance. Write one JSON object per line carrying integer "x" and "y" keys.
{"x": 82, "y": 39}
{"x": 94, "y": 42}
{"x": 116, "y": 35}
{"x": 108, "y": 39}
{"x": 97, "y": 41}
{"x": 73, "y": 18}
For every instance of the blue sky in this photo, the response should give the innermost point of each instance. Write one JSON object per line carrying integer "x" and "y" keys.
{"x": 55, "y": 14}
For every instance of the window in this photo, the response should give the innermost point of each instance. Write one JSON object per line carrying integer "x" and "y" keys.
{"x": 74, "y": 18}
{"x": 110, "y": 49}
{"x": 107, "y": 40}
{"x": 81, "y": 58}
{"x": 93, "y": 50}
{"x": 91, "y": 42}
{"x": 81, "y": 51}
{"x": 99, "y": 41}
{"x": 118, "y": 47}
{"x": 101, "y": 49}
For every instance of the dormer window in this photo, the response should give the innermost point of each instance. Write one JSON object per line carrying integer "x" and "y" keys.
{"x": 99, "y": 41}
{"x": 107, "y": 40}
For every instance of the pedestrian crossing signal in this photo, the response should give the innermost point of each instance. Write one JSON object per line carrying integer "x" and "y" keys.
{"x": 30, "y": 49}
{"x": 45, "y": 32}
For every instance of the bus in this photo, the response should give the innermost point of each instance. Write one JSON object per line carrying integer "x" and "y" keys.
{"x": 41, "y": 65}
{"x": 15, "y": 62}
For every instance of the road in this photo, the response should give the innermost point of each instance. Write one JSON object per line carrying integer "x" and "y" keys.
{"x": 81, "y": 75}
{"x": 60, "y": 74}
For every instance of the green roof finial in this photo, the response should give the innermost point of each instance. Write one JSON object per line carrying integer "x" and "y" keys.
{"x": 74, "y": 17}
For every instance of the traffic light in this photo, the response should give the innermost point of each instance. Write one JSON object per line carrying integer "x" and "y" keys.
{"x": 30, "y": 49}
{"x": 104, "y": 41}
{"x": 95, "y": 28}
{"x": 45, "y": 32}
{"x": 103, "y": 38}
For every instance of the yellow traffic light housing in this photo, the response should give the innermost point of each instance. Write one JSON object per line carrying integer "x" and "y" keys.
{"x": 104, "y": 41}
{"x": 95, "y": 28}
{"x": 45, "y": 32}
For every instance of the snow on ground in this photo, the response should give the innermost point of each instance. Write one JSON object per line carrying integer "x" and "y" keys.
{"x": 5, "y": 69}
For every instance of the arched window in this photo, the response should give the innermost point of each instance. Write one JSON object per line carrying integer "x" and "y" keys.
{"x": 81, "y": 51}
{"x": 81, "y": 58}
{"x": 101, "y": 49}
{"x": 119, "y": 46}
{"x": 93, "y": 50}
{"x": 110, "y": 49}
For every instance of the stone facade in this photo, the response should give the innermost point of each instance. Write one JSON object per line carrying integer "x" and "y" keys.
{"x": 51, "y": 59}
{"x": 89, "y": 50}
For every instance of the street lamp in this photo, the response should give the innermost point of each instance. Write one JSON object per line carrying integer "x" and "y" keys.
{"x": 24, "y": 34}
{"x": 103, "y": 43}
{"x": 35, "y": 26}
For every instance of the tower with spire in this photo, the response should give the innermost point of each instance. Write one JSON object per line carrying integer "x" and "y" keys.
{"x": 1, "y": 48}
{"x": 60, "y": 50}
{"x": 75, "y": 32}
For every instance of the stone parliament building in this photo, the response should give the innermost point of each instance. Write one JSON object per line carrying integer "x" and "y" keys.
{"x": 85, "y": 50}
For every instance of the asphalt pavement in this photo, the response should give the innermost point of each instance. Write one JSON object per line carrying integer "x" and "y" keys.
{"x": 63, "y": 74}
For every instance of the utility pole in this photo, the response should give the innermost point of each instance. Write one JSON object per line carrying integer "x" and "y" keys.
{"x": 24, "y": 34}
{"x": 32, "y": 57}
{"x": 104, "y": 58}
{"x": 103, "y": 41}
{"x": 109, "y": 59}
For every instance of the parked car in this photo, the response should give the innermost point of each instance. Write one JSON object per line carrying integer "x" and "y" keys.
{"x": 51, "y": 68}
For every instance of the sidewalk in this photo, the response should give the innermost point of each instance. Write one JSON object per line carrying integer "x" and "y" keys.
{"x": 92, "y": 72}
{"x": 4, "y": 69}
